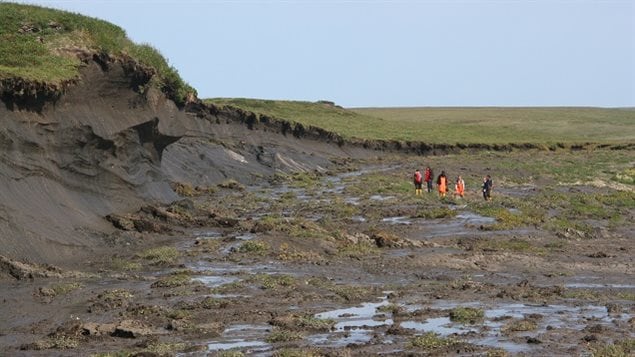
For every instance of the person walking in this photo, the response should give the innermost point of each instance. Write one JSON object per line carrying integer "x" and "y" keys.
{"x": 459, "y": 187}
{"x": 488, "y": 184}
{"x": 442, "y": 184}
{"x": 428, "y": 177}
{"x": 418, "y": 181}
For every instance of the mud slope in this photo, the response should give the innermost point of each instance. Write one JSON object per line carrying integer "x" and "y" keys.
{"x": 101, "y": 147}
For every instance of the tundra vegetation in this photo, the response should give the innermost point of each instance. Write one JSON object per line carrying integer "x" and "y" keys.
{"x": 43, "y": 45}
{"x": 548, "y": 128}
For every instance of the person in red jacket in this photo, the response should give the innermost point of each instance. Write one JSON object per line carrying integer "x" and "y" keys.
{"x": 428, "y": 178}
{"x": 418, "y": 181}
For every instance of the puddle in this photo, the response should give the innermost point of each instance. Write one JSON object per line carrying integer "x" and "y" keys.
{"x": 208, "y": 234}
{"x": 397, "y": 220}
{"x": 227, "y": 268}
{"x": 215, "y": 281}
{"x": 314, "y": 217}
{"x": 599, "y": 286}
{"x": 463, "y": 223}
{"x": 242, "y": 336}
{"x": 473, "y": 219}
{"x": 352, "y": 325}
{"x": 358, "y": 219}
{"x": 341, "y": 339}
{"x": 355, "y": 325}
{"x": 595, "y": 282}
{"x": 246, "y": 236}
{"x": 549, "y": 317}
{"x": 441, "y": 325}
{"x": 381, "y": 198}
{"x": 239, "y": 343}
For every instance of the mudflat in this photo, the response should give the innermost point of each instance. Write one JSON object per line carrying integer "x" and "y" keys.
{"x": 349, "y": 262}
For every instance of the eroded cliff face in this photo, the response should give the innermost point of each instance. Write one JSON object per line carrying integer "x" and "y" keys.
{"x": 101, "y": 147}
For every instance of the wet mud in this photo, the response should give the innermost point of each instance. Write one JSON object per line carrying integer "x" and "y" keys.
{"x": 341, "y": 263}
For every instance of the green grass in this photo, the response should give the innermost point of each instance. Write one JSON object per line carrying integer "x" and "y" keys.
{"x": 173, "y": 281}
{"x": 520, "y": 326}
{"x": 116, "y": 294}
{"x": 507, "y": 125}
{"x": 467, "y": 315}
{"x": 626, "y": 177}
{"x": 254, "y": 247}
{"x": 38, "y": 44}
{"x": 161, "y": 255}
{"x": 272, "y": 282}
{"x": 621, "y": 348}
{"x": 432, "y": 341}
{"x": 488, "y": 125}
{"x": 283, "y": 336}
{"x": 65, "y": 288}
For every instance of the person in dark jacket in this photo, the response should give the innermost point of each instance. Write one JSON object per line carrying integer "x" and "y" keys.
{"x": 429, "y": 177}
{"x": 488, "y": 184}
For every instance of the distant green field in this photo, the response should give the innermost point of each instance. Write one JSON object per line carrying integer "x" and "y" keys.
{"x": 488, "y": 125}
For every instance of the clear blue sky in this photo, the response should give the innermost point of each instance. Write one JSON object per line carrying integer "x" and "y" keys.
{"x": 391, "y": 53}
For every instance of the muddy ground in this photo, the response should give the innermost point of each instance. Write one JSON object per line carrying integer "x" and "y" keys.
{"x": 352, "y": 263}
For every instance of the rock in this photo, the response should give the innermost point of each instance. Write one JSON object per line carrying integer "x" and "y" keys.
{"x": 121, "y": 222}
{"x": 97, "y": 329}
{"x": 613, "y": 309}
{"x": 598, "y": 255}
{"x": 358, "y": 238}
{"x": 597, "y": 328}
{"x": 177, "y": 325}
{"x": 24, "y": 271}
{"x": 227, "y": 222}
{"x": 211, "y": 328}
{"x": 386, "y": 240}
{"x": 146, "y": 225}
{"x": 132, "y": 329}
{"x": 590, "y": 338}
{"x": 46, "y": 292}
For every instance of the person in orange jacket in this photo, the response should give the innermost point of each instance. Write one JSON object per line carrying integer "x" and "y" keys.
{"x": 459, "y": 187}
{"x": 442, "y": 184}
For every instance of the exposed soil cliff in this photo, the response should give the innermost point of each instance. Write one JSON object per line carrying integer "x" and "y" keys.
{"x": 69, "y": 159}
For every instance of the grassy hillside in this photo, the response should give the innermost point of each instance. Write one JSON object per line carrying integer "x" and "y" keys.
{"x": 41, "y": 45}
{"x": 455, "y": 125}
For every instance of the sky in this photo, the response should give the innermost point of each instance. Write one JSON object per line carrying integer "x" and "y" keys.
{"x": 390, "y": 53}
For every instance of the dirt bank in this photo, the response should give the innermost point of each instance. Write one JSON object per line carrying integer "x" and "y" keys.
{"x": 70, "y": 159}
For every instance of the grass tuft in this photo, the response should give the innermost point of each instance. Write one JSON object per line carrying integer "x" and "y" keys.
{"x": 432, "y": 341}
{"x": 467, "y": 315}
{"x": 283, "y": 336}
{"x": 40, "y": 45}
{"x": 161, "y": 255}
